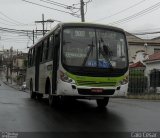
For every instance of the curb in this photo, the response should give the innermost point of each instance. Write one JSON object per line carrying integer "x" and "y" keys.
{"x": 145, "y": 97}
{"x": 14, "y": 87}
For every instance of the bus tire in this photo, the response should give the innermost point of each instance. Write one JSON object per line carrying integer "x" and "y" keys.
{"x": 32, "y": 93}
{"x": 55, "y": 101}
{"x": 102, "y": 103}
{"x": 50, "y": 100}
{"x": 39, "y": 96}
{"x": 48, "y": 91}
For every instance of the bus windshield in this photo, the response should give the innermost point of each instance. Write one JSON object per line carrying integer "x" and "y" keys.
{"x": 94, "y": 48}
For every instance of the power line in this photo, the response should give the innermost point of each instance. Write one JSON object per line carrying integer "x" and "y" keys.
{"x": 57, "y": 4}
{"x": 7, "y": 21}
{"x": 71, "y": 8}
{"x": 11, "y": 39}
{"x": 141, "y": 13}
{"x": 48, "y": 7}
{"x": 10, "y": 18}
{"x": 14, "y": 24}
{"x": 121, "y": 11}
{"x": 16, "y": 31}
{"x": 28, "y": 33}
{"x": 5, "y": 24}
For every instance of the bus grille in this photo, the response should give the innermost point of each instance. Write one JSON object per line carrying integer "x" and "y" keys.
{"x": 95, "y": 84}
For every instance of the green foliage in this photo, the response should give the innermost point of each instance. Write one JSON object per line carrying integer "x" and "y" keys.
{"x": 136, "y": 73}
{"x": 18, "y": 77}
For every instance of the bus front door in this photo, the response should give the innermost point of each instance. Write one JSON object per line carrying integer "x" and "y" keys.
{"x": 37, "y": 62}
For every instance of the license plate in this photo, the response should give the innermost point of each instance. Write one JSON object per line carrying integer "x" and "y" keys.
{"x": 97, "y": 90}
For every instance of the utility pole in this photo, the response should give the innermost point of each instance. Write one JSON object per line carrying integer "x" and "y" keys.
{"x": 43, "y": 23}
{"x": 82, "y": 10}
{"x": 11, "y": 62}
{"x": 33, "y": 36}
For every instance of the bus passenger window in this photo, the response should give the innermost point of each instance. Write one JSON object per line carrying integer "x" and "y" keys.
{"x": 51, "y": 45}
{"x": 33, "y": 57}
{"x": 45, "y": 47}
{"x": 29, "y": 58}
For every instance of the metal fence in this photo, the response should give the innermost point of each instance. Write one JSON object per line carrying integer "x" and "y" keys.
{"x": 137, "y": 81}
{"x": 154, "y": 79}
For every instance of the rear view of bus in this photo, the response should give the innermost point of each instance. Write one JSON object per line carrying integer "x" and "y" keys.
{"x": 93, "y": 62}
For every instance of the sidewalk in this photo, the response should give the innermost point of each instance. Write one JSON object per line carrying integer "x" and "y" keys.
{"x": 153, "y": 96}
{"x": 15, "y": 86}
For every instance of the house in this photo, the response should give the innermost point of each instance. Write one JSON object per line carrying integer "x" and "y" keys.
{"x": 19, "y": 66}
{"x": 137, "y": 45}
{"x": 153, "y": 71}
{"x": 138, "y": 64}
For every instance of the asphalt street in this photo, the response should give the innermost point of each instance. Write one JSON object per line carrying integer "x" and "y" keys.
{"x": 18, "y": 113}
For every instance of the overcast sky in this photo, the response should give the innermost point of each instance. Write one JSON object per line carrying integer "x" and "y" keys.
{"x": 131, "y": 15}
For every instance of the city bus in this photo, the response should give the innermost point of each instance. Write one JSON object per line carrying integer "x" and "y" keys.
{"x": 78, "y": 60}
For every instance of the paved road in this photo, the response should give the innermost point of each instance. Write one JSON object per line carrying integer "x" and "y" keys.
{"x": 21, "y": 114}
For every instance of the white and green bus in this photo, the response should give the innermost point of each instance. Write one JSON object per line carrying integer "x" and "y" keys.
{"x": 79, "y": 60}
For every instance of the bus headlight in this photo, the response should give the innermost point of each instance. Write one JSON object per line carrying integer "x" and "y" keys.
{"x": 124, "y": 81}
{"x": 64, "y": 77}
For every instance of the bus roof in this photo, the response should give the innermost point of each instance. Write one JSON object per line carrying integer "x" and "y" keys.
{"x": 63, "y": 24}
{"x": 80, "y": 24}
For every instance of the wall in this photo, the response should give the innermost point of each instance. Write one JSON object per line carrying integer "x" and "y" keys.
{"x": 132, "y": 49}
{"x": 150, "y": 66}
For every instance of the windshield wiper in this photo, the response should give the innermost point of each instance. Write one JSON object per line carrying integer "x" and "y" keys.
{"x": 88, "y": 53}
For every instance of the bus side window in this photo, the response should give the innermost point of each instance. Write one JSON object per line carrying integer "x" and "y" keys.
{"x": 33, "y": 57}
{"x": 41, "y": 51}
{"x": 45, "y": 47}
{"x": 29, "y": 58}
{"x": 50, "y": 49}
{"x": 47, "y": 50}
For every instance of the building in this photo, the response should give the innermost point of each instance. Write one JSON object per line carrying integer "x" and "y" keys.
{"x": 137, "y": 45}
{"x": 19, "y": 66}
{"x": 144, "y": 58}
{"x": 153, "y": 71}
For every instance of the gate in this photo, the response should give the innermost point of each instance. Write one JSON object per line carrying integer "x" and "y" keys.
{"x": 137, "y": 81}
{"x": 154, "y": 79}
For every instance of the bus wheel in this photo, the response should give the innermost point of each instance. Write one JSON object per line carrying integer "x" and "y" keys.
{"x": 102, "y": 103}
{"x": 50, "y": 100}
{"x": 39, "y": 96}
{"x": 54, "y": 100}
{"x": 32, "y": 93}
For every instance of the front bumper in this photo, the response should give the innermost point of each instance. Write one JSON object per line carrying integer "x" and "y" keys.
{"x": 67, "y": 89}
